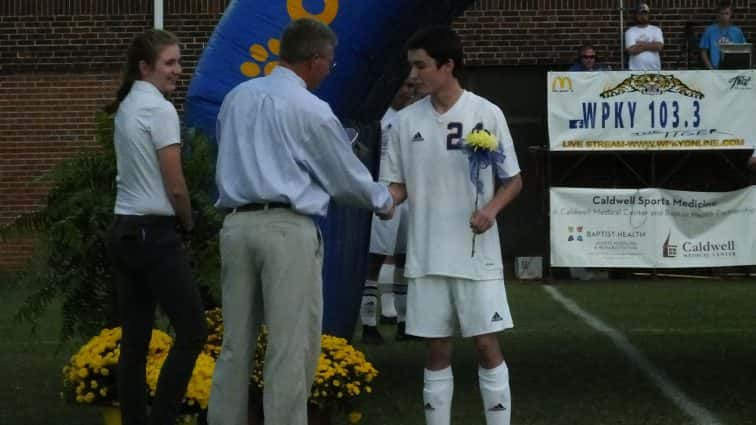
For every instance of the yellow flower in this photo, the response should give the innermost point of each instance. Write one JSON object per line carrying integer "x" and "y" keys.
{"x": 89, "y": 397}
{"x": 93, "y": 384}
{"x": 83, "y": 372}
{"x": 355, "y": 417}
{"x": 103, "y": 392}
{"x": 482, "y": 139}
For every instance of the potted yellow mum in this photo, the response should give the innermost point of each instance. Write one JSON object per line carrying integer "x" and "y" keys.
{"x": 90, "y": 376}
{"x": 343, "y": 376}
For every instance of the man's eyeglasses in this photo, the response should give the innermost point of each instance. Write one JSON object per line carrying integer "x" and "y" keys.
{"x": 331, "y": 62}
{"x": 588, "y": 56}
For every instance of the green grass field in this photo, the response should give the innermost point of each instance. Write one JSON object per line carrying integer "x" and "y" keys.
{"x": 700, "y": 334}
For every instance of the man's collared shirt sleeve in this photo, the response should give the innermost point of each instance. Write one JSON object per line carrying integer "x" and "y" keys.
{"x": 330, "y": 160}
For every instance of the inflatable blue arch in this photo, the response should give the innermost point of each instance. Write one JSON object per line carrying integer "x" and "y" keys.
{"x": 372, "y": 33}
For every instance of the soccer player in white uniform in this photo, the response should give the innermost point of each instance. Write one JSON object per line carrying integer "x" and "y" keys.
{"x": 388, "y": 245}
{"x": 448, "y": 287}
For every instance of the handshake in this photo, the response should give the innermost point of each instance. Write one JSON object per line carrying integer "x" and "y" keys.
{"x": 398, "y": 194}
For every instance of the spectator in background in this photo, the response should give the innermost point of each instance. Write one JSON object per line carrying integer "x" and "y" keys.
{"x": 716, "y": 34}
{"x": 587, "y": 60}
{"x": 643, "y": 42}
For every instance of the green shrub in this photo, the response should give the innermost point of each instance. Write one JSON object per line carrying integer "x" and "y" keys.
{"x": 71, "y": 262}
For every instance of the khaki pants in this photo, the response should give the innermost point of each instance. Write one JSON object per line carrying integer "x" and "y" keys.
{"x": 271, "y": 273}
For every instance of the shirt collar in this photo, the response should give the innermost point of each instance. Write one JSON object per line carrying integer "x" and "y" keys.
{"x": 288, "y": 74}
{"x": 146, "y": 87}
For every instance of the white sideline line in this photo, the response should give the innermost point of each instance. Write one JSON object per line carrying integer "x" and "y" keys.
{"x": 699, "y": 413}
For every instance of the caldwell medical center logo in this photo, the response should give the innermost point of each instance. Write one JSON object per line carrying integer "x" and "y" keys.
{"x": 698, "y": 248}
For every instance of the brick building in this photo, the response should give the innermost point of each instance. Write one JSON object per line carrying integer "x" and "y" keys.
{"x": 60, "y": 61}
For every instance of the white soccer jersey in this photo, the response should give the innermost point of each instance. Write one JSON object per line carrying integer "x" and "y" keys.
{"x": 424, "y": 151}
{"x": 388, "y": 118}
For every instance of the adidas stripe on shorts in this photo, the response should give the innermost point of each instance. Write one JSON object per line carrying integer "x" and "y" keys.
{"x": 442, "y": 306}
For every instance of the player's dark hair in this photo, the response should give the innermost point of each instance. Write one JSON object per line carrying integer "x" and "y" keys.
{"x": 442, "y": 44}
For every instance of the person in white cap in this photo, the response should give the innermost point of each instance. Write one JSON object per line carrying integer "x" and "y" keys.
{"x": 643, "y": 42}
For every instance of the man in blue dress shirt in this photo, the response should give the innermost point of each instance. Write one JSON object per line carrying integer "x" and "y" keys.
{"x": 716, "y": 34}
{"x": 282, "y": 156}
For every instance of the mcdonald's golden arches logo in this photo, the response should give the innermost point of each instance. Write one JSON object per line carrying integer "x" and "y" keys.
{"x": 561, "y": 84}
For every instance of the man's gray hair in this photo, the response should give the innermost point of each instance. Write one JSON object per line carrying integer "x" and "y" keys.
{"x": 304, "y": 38}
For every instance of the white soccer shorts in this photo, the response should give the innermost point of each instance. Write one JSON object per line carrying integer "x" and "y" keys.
{"x": 389, "y": 237}
{"x": 438, "y": 306}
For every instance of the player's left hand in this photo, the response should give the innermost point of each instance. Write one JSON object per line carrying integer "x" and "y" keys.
{"x": 482, "y": 220}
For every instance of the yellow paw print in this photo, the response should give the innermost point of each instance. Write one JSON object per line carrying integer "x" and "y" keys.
{"x": 261, "y": 56}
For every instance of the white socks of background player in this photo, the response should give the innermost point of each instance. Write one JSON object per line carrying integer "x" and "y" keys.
{"x": 494, "y": 389}
{"x": 438, "y": 388}
{"x": 385, "y": 280}
{"x": 400, "y": 295}
{"x": 369, "y": 306}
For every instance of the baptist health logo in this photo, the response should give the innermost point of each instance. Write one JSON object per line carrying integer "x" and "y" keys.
{"x": 265, "y": 58}
{"x": 561, "y": 84}
{"x": 669, "y": 250}
{"x": 575, "y": 233}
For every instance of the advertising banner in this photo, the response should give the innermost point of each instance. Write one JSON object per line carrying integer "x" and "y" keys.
{"x": 667, "y": 110}
{"x": 647, "y": 228}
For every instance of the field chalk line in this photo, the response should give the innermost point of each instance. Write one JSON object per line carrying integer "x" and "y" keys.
{"x": 699, "y": 413}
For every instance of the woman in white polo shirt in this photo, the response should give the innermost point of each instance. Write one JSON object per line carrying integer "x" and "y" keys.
{"x": 152, "y": 209}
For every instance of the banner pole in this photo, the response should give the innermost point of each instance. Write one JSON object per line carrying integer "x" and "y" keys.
{"x": 622, "y": 34}
{"x": 158, "y": 11}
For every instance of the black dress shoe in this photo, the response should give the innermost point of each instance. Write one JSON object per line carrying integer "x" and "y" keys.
{"x": 386, "y": 320}
{"x": 370, "y": 335}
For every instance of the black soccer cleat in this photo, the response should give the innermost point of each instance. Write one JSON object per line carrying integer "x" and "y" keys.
{"x": 402, "y": 335}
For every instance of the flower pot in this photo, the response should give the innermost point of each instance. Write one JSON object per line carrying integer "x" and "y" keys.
{"x": 315, "y": 416}
{"x": 318, "y": 416}
{"x": 255, "y": 410}
{"x": 187, "y": 420}
{"x": 111, "y": 415}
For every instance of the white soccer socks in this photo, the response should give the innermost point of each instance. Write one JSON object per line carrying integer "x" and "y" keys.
{"x": 400, "y": 295}
{"x": 369, "y": 306}
{"x": 385, "y": 281}
{"x": 438, "y": 388}
{"x": 494, "y": 389}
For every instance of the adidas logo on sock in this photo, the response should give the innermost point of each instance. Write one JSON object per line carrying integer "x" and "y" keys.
{"x": 496, "y": 317}
{"x": 418, "y": 137}
{"x": 498, "y": 408}
{"x": 429, "y": 406}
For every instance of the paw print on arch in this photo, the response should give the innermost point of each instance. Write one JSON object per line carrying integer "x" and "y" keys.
{"x": 264, "y": 59}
